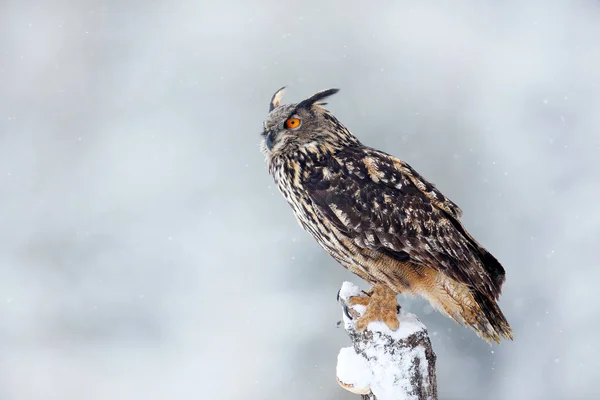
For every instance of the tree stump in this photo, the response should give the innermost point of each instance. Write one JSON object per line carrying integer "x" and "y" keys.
{"x": 383, "y": 364}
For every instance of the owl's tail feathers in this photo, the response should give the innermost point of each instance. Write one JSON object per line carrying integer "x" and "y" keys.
{"x": 469, "y": 307}
{"x": 489, "y": 323}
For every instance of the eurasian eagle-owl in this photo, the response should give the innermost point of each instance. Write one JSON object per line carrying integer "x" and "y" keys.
{"x": 380, "y": 219}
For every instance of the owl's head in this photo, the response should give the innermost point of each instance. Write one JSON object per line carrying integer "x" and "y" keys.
{"x": 291, "y": 127}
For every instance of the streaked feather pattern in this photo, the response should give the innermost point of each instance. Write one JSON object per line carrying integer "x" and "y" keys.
{"x": 382, "y": 220}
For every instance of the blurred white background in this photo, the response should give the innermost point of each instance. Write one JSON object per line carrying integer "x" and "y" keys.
{"x": 145, "y": 253}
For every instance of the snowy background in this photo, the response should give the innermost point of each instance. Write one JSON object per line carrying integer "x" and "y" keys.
{"x": 145, "y": 254}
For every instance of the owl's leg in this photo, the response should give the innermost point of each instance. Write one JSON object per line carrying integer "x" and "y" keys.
{"x": 381, "y": 306}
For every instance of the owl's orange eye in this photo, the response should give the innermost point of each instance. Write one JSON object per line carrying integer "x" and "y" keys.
{"x": 292, "y": 123}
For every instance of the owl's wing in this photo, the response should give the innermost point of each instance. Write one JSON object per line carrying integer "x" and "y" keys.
{"x": 381, "y": 203}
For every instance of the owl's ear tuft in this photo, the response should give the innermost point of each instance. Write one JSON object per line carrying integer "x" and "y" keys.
{"x": 276, "y": 99}
{"x": 317, "y": 98}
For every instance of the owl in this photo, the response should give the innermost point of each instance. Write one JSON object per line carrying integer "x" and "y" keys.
{"x": 380, "y": 219}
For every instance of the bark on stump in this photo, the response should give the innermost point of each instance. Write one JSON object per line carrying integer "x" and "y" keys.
{"x": 385, "y": 364}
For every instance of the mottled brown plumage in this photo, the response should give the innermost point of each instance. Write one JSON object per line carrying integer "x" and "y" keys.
{"x": 379, "y": 218}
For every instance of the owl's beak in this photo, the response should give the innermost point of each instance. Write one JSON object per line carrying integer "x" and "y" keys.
{"x": 269, "y": 140}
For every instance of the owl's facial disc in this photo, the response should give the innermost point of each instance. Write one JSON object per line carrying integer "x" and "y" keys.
{"x": 281, "y": 121}
{"x": 290, "y": 124}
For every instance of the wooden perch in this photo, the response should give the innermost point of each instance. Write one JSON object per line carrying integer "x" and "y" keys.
{"x": 385, "y": 364}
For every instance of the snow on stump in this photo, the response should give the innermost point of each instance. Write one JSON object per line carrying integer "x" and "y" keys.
{"x": 385, "y": 364}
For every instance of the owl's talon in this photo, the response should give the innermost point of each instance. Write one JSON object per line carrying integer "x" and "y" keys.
{"x": 359, "y": 301}
{"x": 338, "y": 295}
{"x": 381, "y": 306}
{"x": 346, "y": 313}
